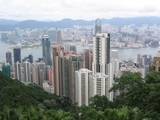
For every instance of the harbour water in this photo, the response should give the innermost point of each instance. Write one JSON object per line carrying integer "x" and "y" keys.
{"x": 124, "y": 54}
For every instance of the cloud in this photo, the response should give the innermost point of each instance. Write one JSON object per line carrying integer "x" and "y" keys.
{"x": 77, "y": 9}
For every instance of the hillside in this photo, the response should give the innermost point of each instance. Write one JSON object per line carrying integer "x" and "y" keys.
{"x": 69, "y": 23}
{"x": 14, "y": 94}
{"x": 138, "y": 100}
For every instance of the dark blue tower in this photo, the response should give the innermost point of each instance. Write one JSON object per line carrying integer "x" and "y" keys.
{"x": 46, "y": 49}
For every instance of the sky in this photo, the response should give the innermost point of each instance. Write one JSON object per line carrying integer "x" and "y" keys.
{"x": 77, "y": 9}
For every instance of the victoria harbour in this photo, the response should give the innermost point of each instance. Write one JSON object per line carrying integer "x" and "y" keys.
{"x": 124, "y": 54}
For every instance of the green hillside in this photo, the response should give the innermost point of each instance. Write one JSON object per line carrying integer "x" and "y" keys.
{"x": 139, "y": 99}
{"x": 13, "y": 93}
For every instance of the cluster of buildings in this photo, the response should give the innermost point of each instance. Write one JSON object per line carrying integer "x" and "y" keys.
{"x": 142, "y": 65}
{"x": 65, "y": 72}
{"x": 125, "y": 36}
{"x": 80, "y": 76}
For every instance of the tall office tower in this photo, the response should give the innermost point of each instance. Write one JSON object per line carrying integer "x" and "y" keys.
{"x": 66, "y": 76}
{"x": 34, "y": 70}
{"x": 61, "y": 70}
{"x": 39, "y": 73}
{"x": 101, "y": 53}
{"x": 64, "y": 66}
{"x": 50, "y": 76}
{"x": 9, "y": 57}
{"x": 27, "y": 72}
{"x": 59, "y": 36}
{"x": 23, "y": 72}
{"x": 46, "y": 49}
{"x": 75, "y": 62}
{"x": 83, "y": 91}
{"x": 88, "y": 59}
{"x": 17, "y": 71}
{"x": 115, "y": 63}
{"x": 98, "y": 27}
{"x": 57, "y": 54}
{"x": 101, "y": 62}
{"x": 17, "y": 55}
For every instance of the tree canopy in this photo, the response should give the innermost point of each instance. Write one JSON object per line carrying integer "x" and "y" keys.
{"x": 137, "y": 99}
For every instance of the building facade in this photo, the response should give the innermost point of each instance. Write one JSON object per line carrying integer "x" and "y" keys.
{"x": 46, "y": 49}
{"x": 101, "y": 53}
{"x": 83, "y": 87}
{"x": 17, "y": 55}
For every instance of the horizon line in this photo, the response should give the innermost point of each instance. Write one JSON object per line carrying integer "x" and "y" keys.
{"x": 74, "y": 19}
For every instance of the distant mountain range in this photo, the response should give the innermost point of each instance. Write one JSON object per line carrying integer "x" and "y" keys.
{"x": 69, "y": 23}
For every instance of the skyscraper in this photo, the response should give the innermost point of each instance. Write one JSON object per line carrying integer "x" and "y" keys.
{"x": 23, "y": 72}
{"x": 27, "y": 72}
{"x": 57, "y": 54}
{"x": 64, "y": 66}
{"x": 35, "y": 77}
{"x": 115, "y": 62}
{"x": 9, "y": 57}
{"x": 101, "y": 53}
{"x": 76, "y": 63}
{"x": 88, "y": 59}
{"x": 98, "y": 27}
{"x": 17, "y": 55}
{"x": 83, "y": 90}
{"x": 59, "y": 36}
{"x": 102, "y": 67}
{"x": 39, "y": 73}
{"x": 17, "y": 70}
{"x": 46, "y": 49}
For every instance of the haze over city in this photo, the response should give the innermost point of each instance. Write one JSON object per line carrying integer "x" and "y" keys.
{"x": 79, "y": 60}
{"x": 77, "y": 9}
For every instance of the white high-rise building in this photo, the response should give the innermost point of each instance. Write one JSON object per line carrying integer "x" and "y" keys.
{"x": 39, "y": 73}
{"x": 27, "y": 72}
{"x": 99, "y": 84}
{"x": 102, "y": 67}
{"x": 115, "y": 63}
{"x": 84, "y": 86}
{"x": 101, "y": 53}
{"x": 35, "y": 78}
{"x": 17, "y": 70}
{"x": 23, "y": 72}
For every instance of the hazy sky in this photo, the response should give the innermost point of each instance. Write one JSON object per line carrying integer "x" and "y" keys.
{"x": 77, "y": 9}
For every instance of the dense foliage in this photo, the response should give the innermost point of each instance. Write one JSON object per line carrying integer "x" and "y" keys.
{"x": 138, "y": 99}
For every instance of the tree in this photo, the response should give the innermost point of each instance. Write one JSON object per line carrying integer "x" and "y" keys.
{"x": 152, "y": 77}
{"x": 89, "y": 113}
{"x": 132, "y": 90}
{"x": 100, "y": 102}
